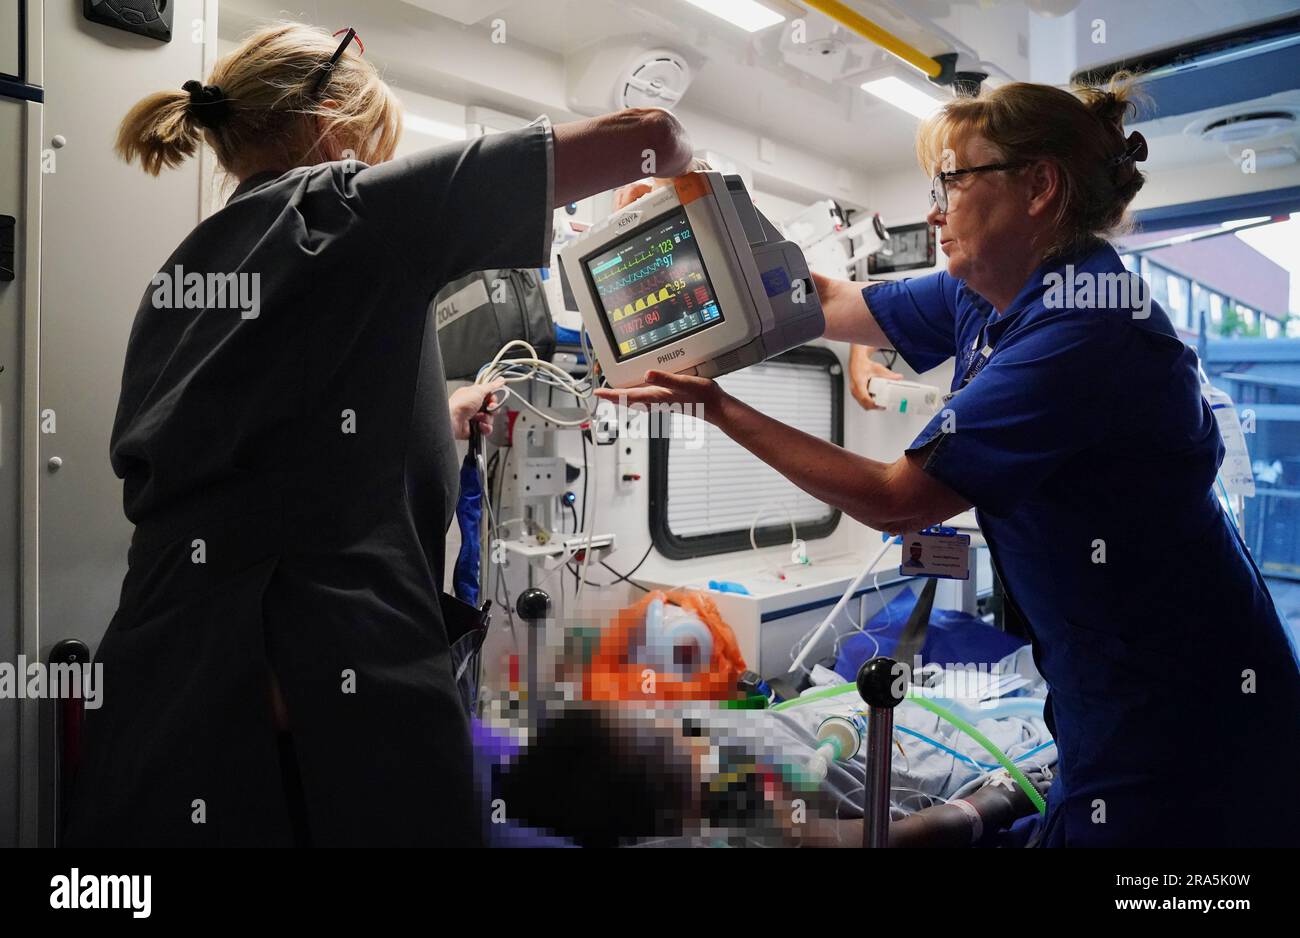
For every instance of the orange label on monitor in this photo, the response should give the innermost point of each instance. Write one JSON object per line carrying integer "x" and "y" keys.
{"x": 690, "y": 187}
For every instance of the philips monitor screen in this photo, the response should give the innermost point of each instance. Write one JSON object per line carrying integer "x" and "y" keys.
{"x": 652, "y": 287}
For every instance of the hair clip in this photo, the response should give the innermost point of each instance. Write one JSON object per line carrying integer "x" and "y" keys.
{"x": 334, "y": 59}
{"x": 1135, "y": 150}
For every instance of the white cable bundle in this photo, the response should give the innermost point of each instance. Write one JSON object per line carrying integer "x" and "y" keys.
{"x": 533, "y": 368}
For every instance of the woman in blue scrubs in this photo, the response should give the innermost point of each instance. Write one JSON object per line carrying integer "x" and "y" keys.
{"x": 278, "y": 669}
{"x": 1078, "y": 431}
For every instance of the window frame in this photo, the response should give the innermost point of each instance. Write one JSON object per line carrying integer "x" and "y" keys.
{"x": 677, "y": 547}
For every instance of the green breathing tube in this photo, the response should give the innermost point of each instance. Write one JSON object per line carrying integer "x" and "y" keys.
{"x": 944, "y": 713}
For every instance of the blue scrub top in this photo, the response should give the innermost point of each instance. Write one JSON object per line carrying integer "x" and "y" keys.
{"x": 1082, "y": 439}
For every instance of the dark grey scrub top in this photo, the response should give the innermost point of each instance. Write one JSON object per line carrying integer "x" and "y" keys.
{"x": 348, "y": 263}
{"x": 309, "y": 449}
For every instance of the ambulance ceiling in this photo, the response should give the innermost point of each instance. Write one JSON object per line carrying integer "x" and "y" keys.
{"x": 804, "y": 95}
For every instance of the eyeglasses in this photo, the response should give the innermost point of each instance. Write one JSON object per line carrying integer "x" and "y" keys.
{"x": 334, "y": 59}
{"x": 939, "y": 185}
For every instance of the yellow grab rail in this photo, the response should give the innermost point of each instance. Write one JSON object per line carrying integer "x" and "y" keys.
{"x": 852, "y": 19}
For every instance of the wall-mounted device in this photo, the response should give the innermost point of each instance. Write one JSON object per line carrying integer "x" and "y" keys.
{"x": 831, "y": 244}
{"x": 690, "y": 279}
{"x": 152, "y": 18}
{"x": 908, "y": 247}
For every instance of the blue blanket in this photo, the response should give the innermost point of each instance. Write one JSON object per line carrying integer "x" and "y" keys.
{"x": 952, "y": 638}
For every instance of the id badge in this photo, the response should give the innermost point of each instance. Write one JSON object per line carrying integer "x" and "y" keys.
{"x": 1236, "y": 472}
{"x": 936, "y": 551}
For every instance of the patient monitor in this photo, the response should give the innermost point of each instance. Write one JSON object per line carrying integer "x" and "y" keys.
{"x": 690, "y": 279}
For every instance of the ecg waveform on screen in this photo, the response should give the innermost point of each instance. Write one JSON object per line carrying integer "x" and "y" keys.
{"x": 660, "y": 255}
{"x": 683, "y": 288}
{"x": 655, "y": 255}
{"x": 622, "y": 277}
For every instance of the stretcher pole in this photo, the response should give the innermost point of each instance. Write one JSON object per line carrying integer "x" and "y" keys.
{"x": 882, "y": 683}
{"x": 534, "y": 607}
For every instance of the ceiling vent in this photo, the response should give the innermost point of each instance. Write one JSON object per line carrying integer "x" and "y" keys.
{"x": 1253, "y": 125}
{"x": 656, "y": 78}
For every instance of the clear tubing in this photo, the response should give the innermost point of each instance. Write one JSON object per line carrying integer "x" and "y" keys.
{"x": 839, "y": 607}
{"x": 994, "y": 709}
{"x": 1025, "y": 785}
{"x": 983, "y": 766}
{"x": 987, "y": 743}
{"x": 961, "y": 756}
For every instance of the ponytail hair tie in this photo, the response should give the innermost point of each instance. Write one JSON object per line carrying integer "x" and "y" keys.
{"x": 208, "y": 104}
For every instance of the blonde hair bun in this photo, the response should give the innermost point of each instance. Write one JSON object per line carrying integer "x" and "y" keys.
{"x": 272, "y": 103}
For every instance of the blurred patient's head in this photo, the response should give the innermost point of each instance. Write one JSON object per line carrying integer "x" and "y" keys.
{"x": 603, "y": 777}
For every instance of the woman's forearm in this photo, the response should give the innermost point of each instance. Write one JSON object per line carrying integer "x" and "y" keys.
{"x": 894, "y": 497}
{"x": 858, "y": 486}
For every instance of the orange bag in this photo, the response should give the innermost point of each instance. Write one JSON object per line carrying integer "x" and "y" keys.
{"x": 612, "y": 675}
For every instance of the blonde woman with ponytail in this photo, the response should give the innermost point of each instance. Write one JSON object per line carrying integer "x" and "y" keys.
{"x": 1077, "y": 428}
{"x": 277, "y": 672}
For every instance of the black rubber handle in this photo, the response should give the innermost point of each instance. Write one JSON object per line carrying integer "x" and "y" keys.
{"x": 533, "y": 605}
{"x": 882, "y": 683}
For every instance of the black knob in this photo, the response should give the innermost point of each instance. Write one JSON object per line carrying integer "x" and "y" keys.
{"x": 533, "y": 605}
{"x": 882, "y": 682}
{"x": 70, "y": 651}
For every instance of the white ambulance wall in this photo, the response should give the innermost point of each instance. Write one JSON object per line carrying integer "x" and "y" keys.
{"x": 107, "y": 228}
{"x": 20, "y": 128}
{"x": 96, "y": 263}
